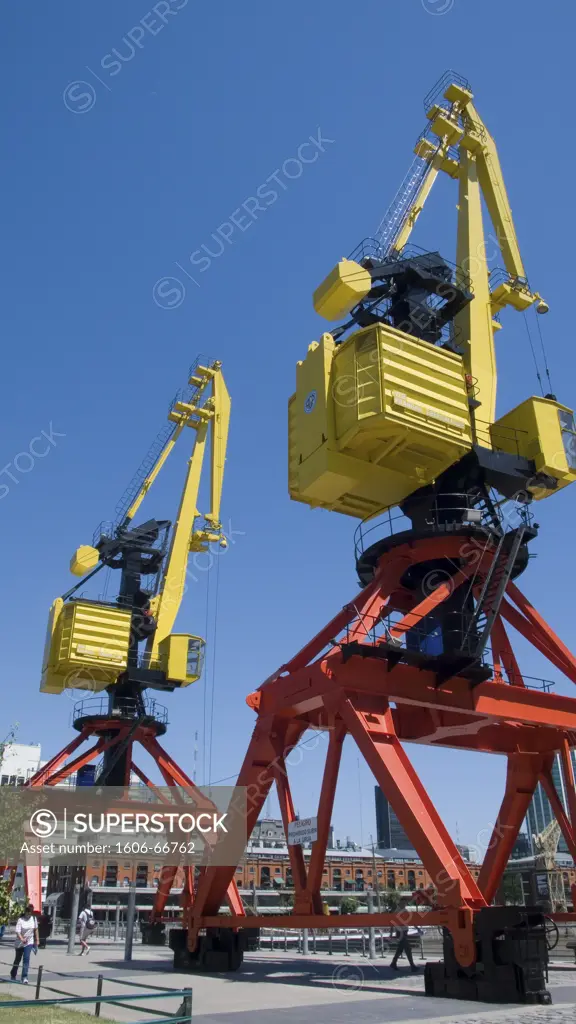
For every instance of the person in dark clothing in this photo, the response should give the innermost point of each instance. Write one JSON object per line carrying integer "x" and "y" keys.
{"x": 44, "y": 929}
{"x": 403, "y": 946}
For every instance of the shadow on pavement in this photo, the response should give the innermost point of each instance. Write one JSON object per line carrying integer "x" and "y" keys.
{"x": 341, "y": 976}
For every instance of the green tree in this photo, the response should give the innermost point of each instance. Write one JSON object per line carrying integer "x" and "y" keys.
{"x": 511, "y": 889}
{"x": 9, "y": 908}
{"x": 391, "y": 900}
{"x": 348, "y": 905}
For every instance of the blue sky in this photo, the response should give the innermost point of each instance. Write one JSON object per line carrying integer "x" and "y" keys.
{"x": 118, "y": 168}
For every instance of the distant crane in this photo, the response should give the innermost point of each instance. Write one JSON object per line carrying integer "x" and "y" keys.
{"x": 125, "y": 645}
{"x": 546, "y": 845}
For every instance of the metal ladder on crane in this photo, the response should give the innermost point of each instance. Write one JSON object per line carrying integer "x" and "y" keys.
{"x": 393, "y": 220}
{"x": 493, "y": 590}
{"x": 480, "y": 623}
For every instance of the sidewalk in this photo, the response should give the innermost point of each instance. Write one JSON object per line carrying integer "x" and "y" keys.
{"x": 276, "y": 988}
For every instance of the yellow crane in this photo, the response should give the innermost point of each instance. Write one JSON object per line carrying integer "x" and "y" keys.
{"x": 401, "y": 396}
{"x": 545, "y": 847}
{"x": 95, "y": 644}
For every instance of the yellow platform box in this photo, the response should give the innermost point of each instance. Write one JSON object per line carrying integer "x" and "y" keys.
{"x": 375, "y": 418}
{"x": 86, "y": 646}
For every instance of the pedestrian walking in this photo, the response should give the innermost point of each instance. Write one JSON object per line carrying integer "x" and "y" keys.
{"x": 86, "y": 924}
{"x": 403, "y": 946}
{"x": 44, "y": 928}
{"x": 26, "y": 942}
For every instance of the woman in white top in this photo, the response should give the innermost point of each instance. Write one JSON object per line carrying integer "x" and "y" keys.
{"x": 26, "y": 941}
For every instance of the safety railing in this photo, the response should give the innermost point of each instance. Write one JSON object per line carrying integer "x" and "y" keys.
{"x": 454, "y": 508}
{"x": 438, "y": 89}
{"x": 125, "y": 707}
{"x": 182, "y": 1016}
{"x": 429, "y": 638}
{"x": 371, "y": 249}
{"x": 500, "y": 276}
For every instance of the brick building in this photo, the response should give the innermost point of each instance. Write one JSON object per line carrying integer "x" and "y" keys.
{"x": 268, "y": 867}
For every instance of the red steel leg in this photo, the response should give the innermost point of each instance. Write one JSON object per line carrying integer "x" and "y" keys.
{"x": 543, "y": 629}
{"x": 165, "y": 886}
{"x": 351, "y": 611}
{"x": 257, "y": 776}
{"x": 325, "y": 807}
{"x": 377, "y": 741}
{"x": 521, "y": 781}
{"x": 174, "y": 776}
{"x": 80, "y": 761}
{"x": 414, "y": 617}
{"x": 295, "y": 853}
{"x": 39, "y": 778}
{"x": 539, "y": 640}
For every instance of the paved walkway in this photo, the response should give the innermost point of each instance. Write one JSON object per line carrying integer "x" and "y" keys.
{"x": 279, "y": 988}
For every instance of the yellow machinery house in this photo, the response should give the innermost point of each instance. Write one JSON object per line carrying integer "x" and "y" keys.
{"x": 375, "y": 418}
{"x": 86, "y": 646}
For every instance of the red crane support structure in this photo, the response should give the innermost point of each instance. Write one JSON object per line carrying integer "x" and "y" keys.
{"x": 347, "y": 681}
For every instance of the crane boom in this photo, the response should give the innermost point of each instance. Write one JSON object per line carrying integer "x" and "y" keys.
{"x": 480, "y": 175}
{"x": 494, "y": 190}
{"x": 213, "y": 417}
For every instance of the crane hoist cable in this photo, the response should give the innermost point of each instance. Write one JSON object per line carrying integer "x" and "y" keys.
{"x": 544, "y": 355}
{"x": 214, "y": 656}
{"x": 205, "y": 775}
{"x": 531, "y": 343}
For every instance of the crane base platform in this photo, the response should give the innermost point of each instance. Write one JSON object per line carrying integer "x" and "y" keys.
{"x": 511, "y": 964}
{"x": 153, "y": 934}
{"x": 220, "y": 949}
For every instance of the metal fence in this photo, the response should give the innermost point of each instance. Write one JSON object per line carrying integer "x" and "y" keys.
{"x": 369, "y": 942}
{"x": 377, "y": 943}
{"x": 182, "y": 1016}
{"x": 112, "y": 930}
